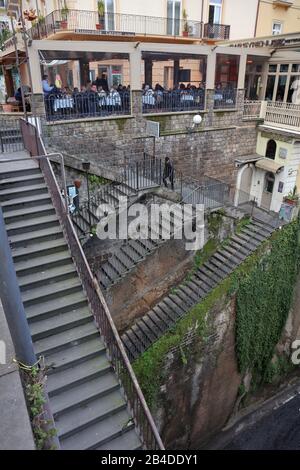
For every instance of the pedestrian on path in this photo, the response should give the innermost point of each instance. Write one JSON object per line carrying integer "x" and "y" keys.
{"x": 168, "y": 173}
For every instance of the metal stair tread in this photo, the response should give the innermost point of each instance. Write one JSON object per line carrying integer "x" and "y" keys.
{"x": 99, "y": 433}
{"x": 74, "y": 354}
{"x": 60, "y": 322}
{"x": 62, "y": 380}
{"x": 76, "y": 334}
{"x": 49, "y": 307}
{"x": 83, "y": 392}
{"x": 96, "y": 410}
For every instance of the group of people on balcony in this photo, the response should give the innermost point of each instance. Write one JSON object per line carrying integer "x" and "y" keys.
{"x": 93, "y": 99}
{"x": 179, "y": 98}
{"x": 224, "y": 95}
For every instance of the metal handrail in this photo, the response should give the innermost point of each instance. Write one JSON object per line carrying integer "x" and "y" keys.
{"x": 116, "y": 352}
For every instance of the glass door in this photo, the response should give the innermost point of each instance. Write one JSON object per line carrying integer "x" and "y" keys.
{"x": 215, "y": 12}
{"x": 109, "y": 15}
{"x": 173, "y": 17}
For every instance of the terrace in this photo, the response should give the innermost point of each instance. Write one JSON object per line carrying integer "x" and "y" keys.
{"x": 79, "y": 22}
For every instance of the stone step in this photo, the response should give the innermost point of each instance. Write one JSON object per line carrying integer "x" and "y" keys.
{"x": 74, "y": 355}
{"x": 128, "y": 441}
{"x": 83, "y": 393}
{"x": 30, "y": 238}
{"x": 42, "y": 263}
{"x": 47, "y": 247}
{"x": 220, "y": 265}
{"x": 195, "y": 285}
{"x": 245, "y": 240}
{"x": 34, "y": 212}
{"x": 48, "y": 276}
{"x": 17, "y": 172}
{"x": 214, "y": 272}
{"x": 60, "y": 323}
{"x": 190, "y": 292}
{"x": 63, "y": 304}
{"x": 26, "y": 202}
{"x": 53, "y": 291}
{"x": 12, "y": 194}
{"x": 62, "y": 381}
{"x": 58, "y": 342}
{"x": 100, "y": 433}
{"x": 252, "y": 233}
{"x": 20, "y": 227}
{"x": 21, "y": 181}
{"x": 170, "y": 307}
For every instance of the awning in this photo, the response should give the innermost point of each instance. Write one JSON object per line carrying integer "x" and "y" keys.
{"x": 248, "y": 159}
{"x": 269, "y": 165}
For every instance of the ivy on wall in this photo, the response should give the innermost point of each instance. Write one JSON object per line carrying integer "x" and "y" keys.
{"x": 264, "y": 297}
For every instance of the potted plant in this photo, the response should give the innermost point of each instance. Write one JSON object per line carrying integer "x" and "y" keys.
{"x": 64, "y": 17}
{"x": 101, "y": 13}
{"x": 292, "y": 198}
{"x": 185, "y": 31}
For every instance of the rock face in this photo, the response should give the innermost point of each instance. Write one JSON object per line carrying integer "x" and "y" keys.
{"x": 200, "y": 391}
{"x": 148, "y": 282}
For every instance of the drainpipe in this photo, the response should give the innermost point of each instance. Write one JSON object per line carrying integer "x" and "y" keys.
{"x": 202, "y": 13}
{"x": 12, "y": 302}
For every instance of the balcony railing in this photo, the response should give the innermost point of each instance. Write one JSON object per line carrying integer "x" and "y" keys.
{"x": 86, "y": 105}
{"x": 283, "y": 115}
{"x": 252, "y": 109}
{"x": 173, "y": 101}
{"x": 88, "y": 22}
{"x": 225, "y": 98}
{"x": 216, "y": 31}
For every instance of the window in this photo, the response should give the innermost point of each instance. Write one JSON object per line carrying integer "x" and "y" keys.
{"x": 215, "y": 12}
{"x": 109, "y": 15}
{"x": 270, "y": 87}
{"x": 271, "y": 149}
{"x": 2, "y": 3}
{"x": 276, "y": 28}
{"x": 269, "y": 183}
{"x": 173, "y": 17}
{"x": 294, "y": 90}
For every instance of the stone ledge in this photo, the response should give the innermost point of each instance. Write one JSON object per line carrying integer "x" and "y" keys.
{"x": 76, "y": 121}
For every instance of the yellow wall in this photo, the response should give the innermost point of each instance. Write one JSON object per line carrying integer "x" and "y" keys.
{"x": 261, "y": 148}
{"x": 289, "y": 17}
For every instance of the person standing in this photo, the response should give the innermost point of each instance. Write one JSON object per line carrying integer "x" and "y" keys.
{"x": 168, "y": 173}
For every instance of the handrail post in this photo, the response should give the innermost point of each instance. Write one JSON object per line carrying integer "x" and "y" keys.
{"x": 137, "y": 175}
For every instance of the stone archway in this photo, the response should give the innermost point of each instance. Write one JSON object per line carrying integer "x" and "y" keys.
{"x": 268, "y": 189}
{"x": 244, "y": 188}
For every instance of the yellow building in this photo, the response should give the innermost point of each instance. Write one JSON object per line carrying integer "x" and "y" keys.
{"x": 277, "y": 17}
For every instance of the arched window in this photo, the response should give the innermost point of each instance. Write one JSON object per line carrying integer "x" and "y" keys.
{"x": 269, "y": 183}
{"x": 271, "y": 149}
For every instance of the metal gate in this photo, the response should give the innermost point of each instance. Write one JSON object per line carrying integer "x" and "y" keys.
{"x": 10, "y": 136}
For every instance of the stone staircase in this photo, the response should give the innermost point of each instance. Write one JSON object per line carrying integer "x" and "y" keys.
{"x": 89, "y": 409}
{"x": 170, "y": 309}
{"x": 132, "y": 252}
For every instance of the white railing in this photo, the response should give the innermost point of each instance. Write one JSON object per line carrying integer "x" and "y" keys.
{"x": 252, "y": 109}
{"x": 284, "y": 115}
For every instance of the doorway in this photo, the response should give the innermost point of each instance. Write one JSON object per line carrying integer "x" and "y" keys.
{"x": 245, "y": 186}
{"x": 267, "y": 195}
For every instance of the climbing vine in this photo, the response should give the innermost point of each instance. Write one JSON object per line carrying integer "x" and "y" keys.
{"x": 264, "y": 297}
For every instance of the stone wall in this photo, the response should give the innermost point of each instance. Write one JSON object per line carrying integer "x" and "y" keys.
{"x": 222, "y": 137}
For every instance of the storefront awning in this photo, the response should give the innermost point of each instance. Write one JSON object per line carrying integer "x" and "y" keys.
{"x": 269, "y": 165}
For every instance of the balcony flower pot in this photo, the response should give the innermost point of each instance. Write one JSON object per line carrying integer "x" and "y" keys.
{"x": 99, "y": 26}
{"x": 291, "y": 202}
{"x": 185, "y": 34}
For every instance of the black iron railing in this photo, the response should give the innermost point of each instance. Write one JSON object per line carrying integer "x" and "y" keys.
{"x": 173, "y": 101}
{"x": 87, "y": 104}
{"x": 10, "y": 135}
{"x": 116, "y": 352}
{"x": 216, "y": 31}
{"x": 89, "y": 22}
{"x": 225, "y": 98}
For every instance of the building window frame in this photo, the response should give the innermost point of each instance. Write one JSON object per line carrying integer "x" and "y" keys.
{"x": 173, "y": 22}
{"x": 218, "y": 7}
{"x": 274, "y": 24}
{"x": 289, "y": 74}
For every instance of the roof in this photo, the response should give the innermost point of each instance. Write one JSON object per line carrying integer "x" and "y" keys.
{"x": 248, "y": 159}
{"x": 269, "y": 165}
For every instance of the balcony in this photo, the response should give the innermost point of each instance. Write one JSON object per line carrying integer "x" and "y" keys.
{"x": 283, "y": 3}
{"x": 275, "y": 114}
{"x": 216, "y": 31}
{"x": 88, "y": 22}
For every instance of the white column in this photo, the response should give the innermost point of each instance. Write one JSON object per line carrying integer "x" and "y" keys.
{"x": 242, "y": 70}
{"x": 34, "y": 64}
{"x": 135, "y": 59}
{"x": 211, "y": 71}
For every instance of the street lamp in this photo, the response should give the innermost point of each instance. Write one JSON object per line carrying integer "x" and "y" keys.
{"x": 197, "y": 119}
{"x": 86, "y": 167}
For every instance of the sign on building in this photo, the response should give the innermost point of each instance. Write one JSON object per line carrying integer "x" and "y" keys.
{"x": 153, "y": 128}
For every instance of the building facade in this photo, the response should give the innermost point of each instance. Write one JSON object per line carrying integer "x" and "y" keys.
{"x": 277, "y": 17}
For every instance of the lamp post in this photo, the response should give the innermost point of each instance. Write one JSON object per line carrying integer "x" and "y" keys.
{"x": 86, "y": 167}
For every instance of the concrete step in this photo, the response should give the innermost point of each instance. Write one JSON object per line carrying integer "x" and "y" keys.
{"x": 20, "y": 227}
{"x": 26, "y": 202}
{"x": 135, "y": 250}
{"x": 48, "y": 276}
{"x": 40, "y": 264}
{"x": 227, "y": 262}
{"x": 253, "y": 234}
{"x": 49, "y": 309}
{"x": 30, "y": 238}
{"x": 268, "y": 229}
{"x": 99, "y": 433}
{"x": 128, "y": 441}
{"x": 189, "y": 292}
{"x": 52, "y": 291}
{"x": 21, "y": 181}
{"x": 26, "y": 213}
{"x": 74, "y": 355}
{"x": 215, "y": 272}
{"x": 168, "y": 311}
{"x": 13, "y": 194}
{"x": 60, "y": 323}
{"x": 58, "y": 342}
{"x": 80, "y": 418}
{"x": 17, "y": 172}
{"x": 38, "y": 250}
{"x": 62, "y": 381}
{"x": 84, "y": 393}
{"x": 245, "y": 240}
{"x": 220, "y": 266}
